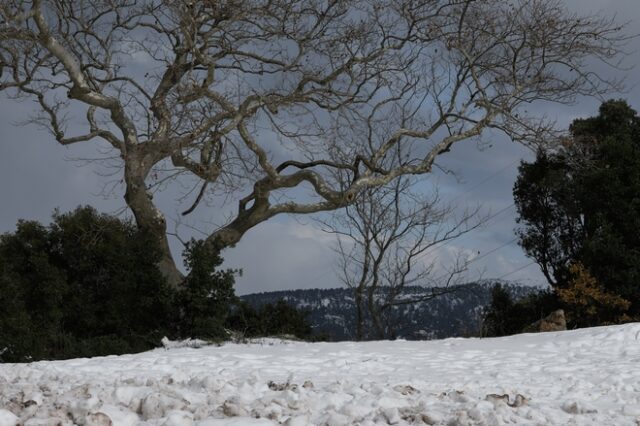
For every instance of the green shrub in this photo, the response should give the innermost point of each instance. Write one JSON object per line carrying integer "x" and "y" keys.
{"x": 270, "y": 320}
{"x": 504, "y": 316}
{"x": 85, "y": 285}
{"x": 88, "y": 285}
{"x": 206, "y": 295}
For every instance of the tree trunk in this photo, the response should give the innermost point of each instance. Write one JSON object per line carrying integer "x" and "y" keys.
{"x": 149, "y": 218}
{"x": 375, "y": 315}
{"x": 359, "y": 318}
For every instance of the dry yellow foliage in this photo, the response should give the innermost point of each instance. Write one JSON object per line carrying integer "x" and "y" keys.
{"x": 586, "y": 295}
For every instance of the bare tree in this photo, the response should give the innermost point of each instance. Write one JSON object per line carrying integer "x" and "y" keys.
{"x": 257, "y": 98}
{"x": 387, "y": 240}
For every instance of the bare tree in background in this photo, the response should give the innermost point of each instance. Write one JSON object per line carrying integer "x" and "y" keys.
{"x": 387, "y": 240}
{"x": 258, "y": 98}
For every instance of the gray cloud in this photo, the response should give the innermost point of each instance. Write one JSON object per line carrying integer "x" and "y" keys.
{"x": 37, "y": 176}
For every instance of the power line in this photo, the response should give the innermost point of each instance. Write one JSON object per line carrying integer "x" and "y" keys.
{"x": 513, "y": 240}
{"x": 499, "y": 212}
{"x": 487, "y": 220}
{"x": 320, "y": 276}
{"x": 486, "y": 179}
{"x": 517, "y": 270}
{"x": 450, "y": 240}
{"x": 494, "y": 250}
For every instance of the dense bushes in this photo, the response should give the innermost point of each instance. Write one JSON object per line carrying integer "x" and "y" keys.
{"x": 85, "y": 285}
{"x": 88, "y": 285}
{"x": 269, "y": 320}
{"x": 505, "y": 316}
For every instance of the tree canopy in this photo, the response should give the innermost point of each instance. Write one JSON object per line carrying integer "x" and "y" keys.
{"x": 579, "y": 207}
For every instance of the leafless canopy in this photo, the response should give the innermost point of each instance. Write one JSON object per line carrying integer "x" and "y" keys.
{"x": 261, "y": 97}
{"x": 387, "y": 241}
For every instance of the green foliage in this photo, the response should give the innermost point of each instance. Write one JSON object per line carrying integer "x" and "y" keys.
{"x": 504, "y": 316}
{"x": 269, "y": 320}
{"x": 581, "y": 204}
{"x": 86, "y": 285}
{"x": 498, "y": 315}
{"x": 111, "y": 268}
{"x": 206, "y": 294}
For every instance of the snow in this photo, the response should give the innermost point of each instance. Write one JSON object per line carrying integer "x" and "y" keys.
{"x": 580, "y": 377}
{"x": 187, "y": 343}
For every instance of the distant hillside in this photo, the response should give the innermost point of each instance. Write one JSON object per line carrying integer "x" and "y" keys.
{"x": 458, "y": 313}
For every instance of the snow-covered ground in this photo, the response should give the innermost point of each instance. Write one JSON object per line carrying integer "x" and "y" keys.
{"x": 582, "y": 377}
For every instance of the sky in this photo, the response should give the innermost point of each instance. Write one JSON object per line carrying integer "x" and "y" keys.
{"x": 37, "y": 175}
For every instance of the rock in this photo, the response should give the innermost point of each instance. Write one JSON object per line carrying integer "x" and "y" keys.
{"x": 555, "y": 321}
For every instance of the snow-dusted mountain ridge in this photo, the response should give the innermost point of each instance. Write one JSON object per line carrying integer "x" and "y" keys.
{"x": 456, "y": 313}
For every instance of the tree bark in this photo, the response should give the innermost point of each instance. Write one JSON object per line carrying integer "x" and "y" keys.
{"x": 359, "y": 317}
{"x": 147, "y": 216}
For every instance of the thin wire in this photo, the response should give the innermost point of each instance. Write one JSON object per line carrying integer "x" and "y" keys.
{"x": 494, "y": 250}
{"x": 489, "y": 219}
{"x": 517, "y": 270}
{"x": 449, "y": 241}
{"x": 488, "y": 178}
{"x": 322, "y": 275}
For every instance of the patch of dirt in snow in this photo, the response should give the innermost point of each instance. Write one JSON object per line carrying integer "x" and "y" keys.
{"x": 581, "y": 377}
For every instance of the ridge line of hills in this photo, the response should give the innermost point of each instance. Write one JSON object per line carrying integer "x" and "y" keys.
{"x": 454, "y": 314}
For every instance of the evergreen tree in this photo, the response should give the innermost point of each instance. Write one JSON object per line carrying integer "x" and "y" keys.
{"x": 206, "y": 294}
{"x": 498, "y": 317}
{"x": 580, "y": 205}
{"x": 86, "y": 285}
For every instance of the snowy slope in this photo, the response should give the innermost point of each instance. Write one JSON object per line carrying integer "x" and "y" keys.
{"x": 582, "y": 377}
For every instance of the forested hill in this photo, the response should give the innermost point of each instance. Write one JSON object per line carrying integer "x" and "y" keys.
{"x": 457, "y": 313}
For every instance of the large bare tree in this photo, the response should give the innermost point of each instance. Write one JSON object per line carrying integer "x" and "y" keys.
{"x": 259, "y": 98}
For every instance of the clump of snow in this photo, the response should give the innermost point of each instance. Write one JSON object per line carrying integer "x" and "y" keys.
{"x": 580, "y": 377}
{"x": 187, "y": 343}
{"x": 7, "y": 418}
